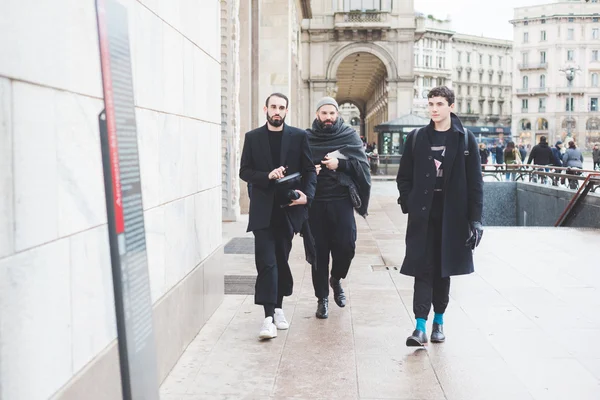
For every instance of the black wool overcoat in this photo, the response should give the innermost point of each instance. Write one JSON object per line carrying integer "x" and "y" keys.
{"x": 463, "y": 198}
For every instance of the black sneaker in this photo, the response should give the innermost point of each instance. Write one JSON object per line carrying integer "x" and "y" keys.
{"x": 437, "y": 334}
{"x": 417, "y": 339}
{"x": 322, "y": 309}
{"x": 338, "y": 292}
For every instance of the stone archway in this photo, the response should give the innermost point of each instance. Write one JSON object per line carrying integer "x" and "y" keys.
{"x": 370, "y": 48}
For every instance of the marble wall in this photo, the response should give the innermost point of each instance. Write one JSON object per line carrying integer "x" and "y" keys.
{"x": 56, "y": 300}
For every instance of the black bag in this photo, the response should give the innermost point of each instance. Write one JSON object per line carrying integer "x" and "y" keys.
{"x": 285, "y": 189}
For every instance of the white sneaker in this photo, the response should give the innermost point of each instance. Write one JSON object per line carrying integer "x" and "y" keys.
{"x": 280, "y": 321}
{"x": 268, "y": 330}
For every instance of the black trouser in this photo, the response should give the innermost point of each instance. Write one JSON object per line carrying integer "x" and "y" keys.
{"x": 334, "y": 229}
{"x": 271, "y": 253}
{"x": 596, "y": 164}
{"x": 430, "y": 287}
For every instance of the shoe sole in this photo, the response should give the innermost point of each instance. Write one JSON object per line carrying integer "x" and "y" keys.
{"x": 266, "y": 336}
{"x": 410, "y": 342}
{"x": 322, "y": 316}
{"x": 285, "y": 328}
{"x": 438, "y": 341}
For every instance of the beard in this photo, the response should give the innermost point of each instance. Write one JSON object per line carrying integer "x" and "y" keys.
{"x": 327, "y": 124}
{"x": 277, "y": 122}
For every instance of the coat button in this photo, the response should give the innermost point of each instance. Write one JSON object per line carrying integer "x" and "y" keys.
{"x": 426, "y": 191}
{"x": 427, "y": 175}
{"x": 430, "y": 157}
{"x": 424, "y": 208}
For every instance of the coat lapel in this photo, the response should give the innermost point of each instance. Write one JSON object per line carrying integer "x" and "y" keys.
{"x": 264, "y": 144}
{"x": 285, "y": 144}
{"x": 450, "y": 156}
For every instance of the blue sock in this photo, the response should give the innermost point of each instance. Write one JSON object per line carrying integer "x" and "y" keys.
{"x": 438, "y": 319}
{"x": 421, "y": 324}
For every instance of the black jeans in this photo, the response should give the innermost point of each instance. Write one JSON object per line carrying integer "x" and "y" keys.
{"x": 334, "y": 229}
{"x": 271, "y": 253}
{"x": 430, "y": 287}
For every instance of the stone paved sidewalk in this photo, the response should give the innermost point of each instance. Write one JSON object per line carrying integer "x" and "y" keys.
{"x": 524, "y": 326}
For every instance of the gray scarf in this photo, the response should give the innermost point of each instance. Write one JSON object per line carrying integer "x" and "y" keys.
{"x": 344, "y": 138}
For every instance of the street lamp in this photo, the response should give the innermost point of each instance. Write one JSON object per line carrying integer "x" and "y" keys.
{"x": 570, "y": 74}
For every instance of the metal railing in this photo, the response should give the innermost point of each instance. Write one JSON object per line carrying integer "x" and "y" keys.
{"x": 590, "y": 184}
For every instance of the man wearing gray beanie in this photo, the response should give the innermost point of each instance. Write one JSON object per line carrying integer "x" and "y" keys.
{"x": 343, "y": 185}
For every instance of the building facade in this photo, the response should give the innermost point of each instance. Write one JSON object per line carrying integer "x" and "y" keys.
{"x": 433, "y": 63}
{"x": 355, "y": 51}
{"x": 58, "y": 333}
{"x": 552, "y": 44}
{"x": 482, "y": 81}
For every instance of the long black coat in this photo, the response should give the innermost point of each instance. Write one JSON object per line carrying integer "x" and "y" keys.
{"x": 256, "y": 164}
{"x": 463, "y": 199}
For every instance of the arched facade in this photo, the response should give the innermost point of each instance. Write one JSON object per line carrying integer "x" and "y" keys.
{"x": 334, "y": 41}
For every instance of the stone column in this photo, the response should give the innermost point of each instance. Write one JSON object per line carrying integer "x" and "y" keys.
{"x": 230, "y": 129}
{"x": 274, "y": 50}
{"x": 247, "y": 105}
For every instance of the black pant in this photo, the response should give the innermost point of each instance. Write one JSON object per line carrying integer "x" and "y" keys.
{"x": 334, "y": 229}
{"x": 430, "y": 287}
{"x": 271, "y": 253}
{"x": 596, "y": 164}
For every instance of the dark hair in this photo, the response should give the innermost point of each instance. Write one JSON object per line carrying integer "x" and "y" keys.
{"x": 280, "y": 95}
{"x": 510, "y": 147}
{"x": 572, "y": 145}
{"x": 442, "y": 91}
{"x": 543, "y": 139}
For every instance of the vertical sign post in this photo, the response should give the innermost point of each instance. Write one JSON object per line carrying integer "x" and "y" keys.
{"x": 133, "y": 304}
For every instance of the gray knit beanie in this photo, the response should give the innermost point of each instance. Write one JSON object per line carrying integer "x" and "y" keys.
{"x": 327, "y": 100}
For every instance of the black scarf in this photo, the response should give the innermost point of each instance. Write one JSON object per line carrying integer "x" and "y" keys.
{"x": 344, "y": 138}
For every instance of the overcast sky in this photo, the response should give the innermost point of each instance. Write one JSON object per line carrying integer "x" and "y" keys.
{"x": 475, "y": 17}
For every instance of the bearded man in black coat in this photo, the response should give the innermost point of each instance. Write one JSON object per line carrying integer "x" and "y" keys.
{"x": 343, "y": 186}
{"x": 441, "y": 190}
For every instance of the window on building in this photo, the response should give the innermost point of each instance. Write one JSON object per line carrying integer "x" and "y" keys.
{"x": 525, "y": 58}
{"x": 595, "y": 79}
{"x": 542, "y": 81}
{"x": 525, "y": 37}
{"x": 499, "y": 61}
{"x": 427, "y": 81}
{"x": 459, "y": 56}
{"x": 526, "y": 23}
{"x": 480, "y": 78}
{"x": 542, "y": 57}
{"x": 542, "y": 104}
{"x": 570, "y": 55}
{"x": 459, "y": 89}
{"x": 416, "y": 60}
{"x": 571, "y": 19}
{"x": 570, "y": 102}
{"x": 481, "y": 59}
{"x": 468, "y": 90}
{"x": 570, "y": 34}
{"x": 481, "y": 91}
{"x": 352, "y": 5}
{"x": 595, "y": 19}
{"x": 594, "y": 104}
{"x": 469, "y": 109}
{"x": 441, "y": 81}
{"x": 458, "y": 106}
{"x": 524, "y": 105}
{"x": 594, "y": 55}
{"x": 469, "y": 76}
{"x": 459, "y": 75}
{"x": 500, "y": 78}
{"x": 468, "y": 57}
{"x": 595, "y": 33}
{"x": 441, "y": 62}
{"x": 543, "y": 36}
{"x": 491, "y": 78}
{"x": 490, "y": 60}
{"x": 525, "y": 82}
{"x": 491, "y": 108}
